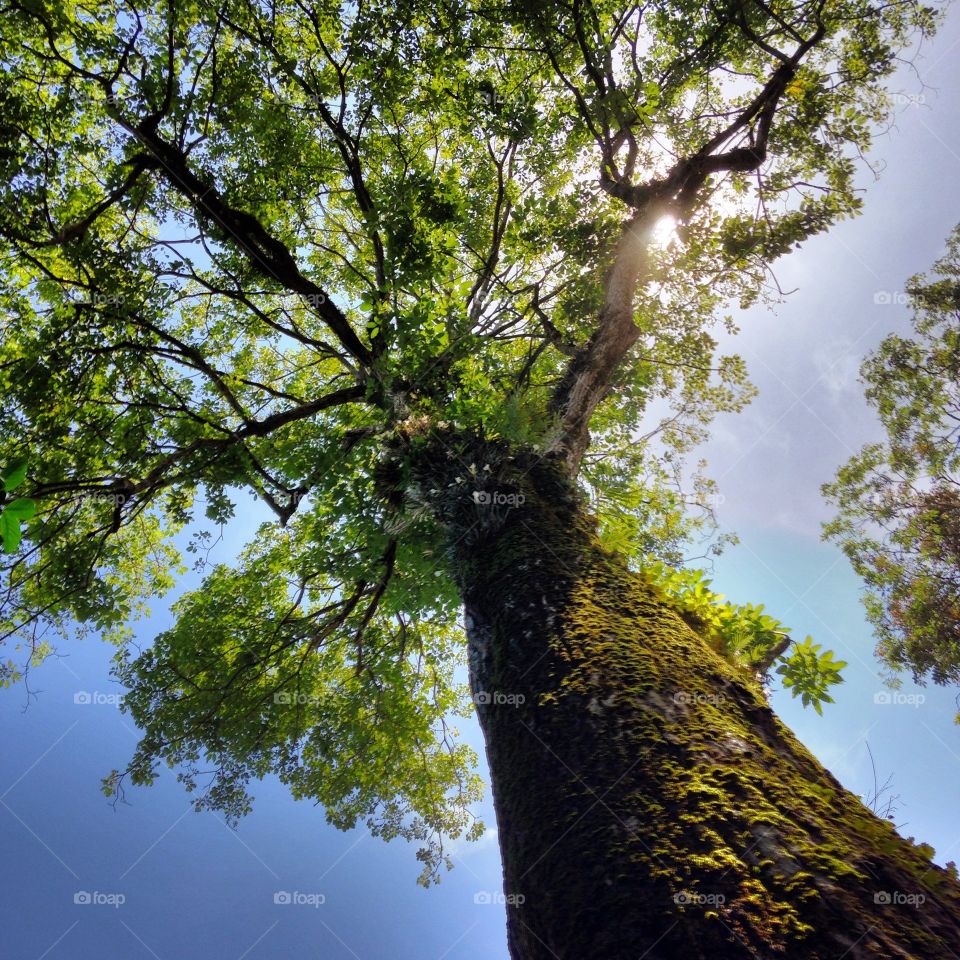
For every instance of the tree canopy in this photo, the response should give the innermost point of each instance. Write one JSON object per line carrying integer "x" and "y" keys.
{"x": 268, "y": 249}
{"x": 898, "y": 501}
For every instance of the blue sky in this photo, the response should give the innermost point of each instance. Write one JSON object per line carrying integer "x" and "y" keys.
{"x": 192, "y": 888}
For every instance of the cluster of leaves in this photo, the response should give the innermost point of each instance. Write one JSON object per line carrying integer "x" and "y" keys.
{"x": 808, "y": 674}
{"x": 898, "y": 501}
{"x": 639, "y": 483}
{"x": 276, "y": 688}
{"x": 750, "y": 638}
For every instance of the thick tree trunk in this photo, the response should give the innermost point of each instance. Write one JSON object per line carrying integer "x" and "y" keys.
{"x": 650, "y": 805}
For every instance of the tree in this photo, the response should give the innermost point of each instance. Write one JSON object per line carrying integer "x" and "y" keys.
{"x": 415, "y": 276}
{"x": 898, "y": 502}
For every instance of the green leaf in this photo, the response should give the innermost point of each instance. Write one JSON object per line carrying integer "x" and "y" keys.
{"x": 14, "y": 474}
{"x": 21, "y": 509}
{"x": 9, "y": 532}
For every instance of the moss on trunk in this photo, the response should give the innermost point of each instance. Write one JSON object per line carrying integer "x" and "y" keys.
{"x": 649, "y": 802}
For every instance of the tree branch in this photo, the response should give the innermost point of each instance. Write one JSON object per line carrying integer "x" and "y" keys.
{"x": 589, "y": 375}
{"x": 159, "y": 475}
{"x": 268, "y": 256}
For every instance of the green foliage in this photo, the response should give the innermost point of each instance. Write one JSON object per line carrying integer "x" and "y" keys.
{"x": 14, "y": 474}
{"x": 808, "y": 674}
{"x": 359, "y": 726}
{"x": 14, "y": 513}
{"x": 638, "y": 485}
{"x": 749, "y": 638}
{"x": 898, "y": 502}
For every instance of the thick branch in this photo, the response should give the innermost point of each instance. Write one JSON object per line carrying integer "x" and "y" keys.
{"x": 590, "y": 373}
{"x": 268, "y": 256}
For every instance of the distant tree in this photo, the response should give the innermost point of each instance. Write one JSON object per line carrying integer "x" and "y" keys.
{"x": 898, "y": 501}
{"x": 416, "y": 276}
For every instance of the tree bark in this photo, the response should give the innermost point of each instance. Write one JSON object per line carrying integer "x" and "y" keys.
{"x": 649, "y": 803}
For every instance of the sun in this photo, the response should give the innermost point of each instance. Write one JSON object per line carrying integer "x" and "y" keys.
{"x": 664, "y": 231}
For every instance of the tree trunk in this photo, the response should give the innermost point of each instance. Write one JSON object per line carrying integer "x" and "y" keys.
{"x": 649, "y": 803}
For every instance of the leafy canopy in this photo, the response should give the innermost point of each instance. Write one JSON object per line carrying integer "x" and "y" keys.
{"x": 247, "y": 248}
{"x": 898, "y": 501}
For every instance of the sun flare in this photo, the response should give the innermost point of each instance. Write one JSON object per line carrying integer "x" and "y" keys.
{"x": 664, "y": 231}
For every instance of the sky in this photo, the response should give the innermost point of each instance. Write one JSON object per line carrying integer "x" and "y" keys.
{"x": 151, "y": 878}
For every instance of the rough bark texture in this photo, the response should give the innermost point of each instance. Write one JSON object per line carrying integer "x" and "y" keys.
{"x": 650, "y": 805}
